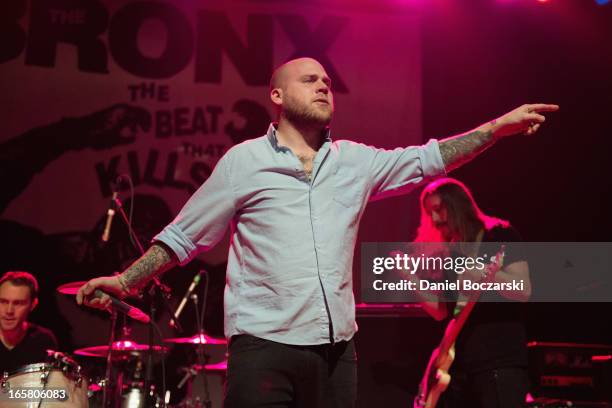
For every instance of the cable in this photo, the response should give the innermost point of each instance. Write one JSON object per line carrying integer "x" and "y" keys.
{"x": 132, "y": 205}
{"x": 163, "y": 361}
{"x": 130, "y": 218}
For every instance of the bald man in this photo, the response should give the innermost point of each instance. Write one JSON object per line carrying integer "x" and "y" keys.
{"x": 294, "y": 198}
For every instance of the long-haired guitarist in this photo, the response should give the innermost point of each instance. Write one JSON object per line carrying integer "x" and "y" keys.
{"x": 489, "y": 360}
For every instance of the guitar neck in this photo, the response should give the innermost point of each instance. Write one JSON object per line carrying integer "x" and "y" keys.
{"x": 456, "y": 324}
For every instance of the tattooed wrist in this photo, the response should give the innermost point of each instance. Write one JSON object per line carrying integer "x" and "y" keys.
{"x": 459, "y": 150}
{"x": 123, "y": 285}
{"x": 153, "y": 263}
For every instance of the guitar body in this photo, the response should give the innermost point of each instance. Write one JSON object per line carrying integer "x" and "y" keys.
{"x": 436, "y": 378}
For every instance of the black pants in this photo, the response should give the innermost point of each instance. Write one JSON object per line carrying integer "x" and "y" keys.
{"x": 498, "y": 388}
{"x": 263, "y": 373}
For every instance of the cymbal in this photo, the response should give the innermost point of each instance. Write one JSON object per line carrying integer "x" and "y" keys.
{"x": 196, "y": 339}
{"x": 221, "y": 366}
{"x": 70, "y": 288}
{"x": 121, "y": 347}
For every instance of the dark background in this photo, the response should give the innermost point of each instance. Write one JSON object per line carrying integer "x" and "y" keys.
{"x": 482, "y": 58}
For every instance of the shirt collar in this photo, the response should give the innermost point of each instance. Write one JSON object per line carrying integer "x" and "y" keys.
{"x": 271, "y": 134}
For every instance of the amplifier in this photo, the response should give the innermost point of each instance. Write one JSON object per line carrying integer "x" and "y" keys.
{"x": 569, "y": 371}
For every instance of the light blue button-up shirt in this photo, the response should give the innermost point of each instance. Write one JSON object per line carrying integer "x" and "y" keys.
{"x": 289, "y": 271}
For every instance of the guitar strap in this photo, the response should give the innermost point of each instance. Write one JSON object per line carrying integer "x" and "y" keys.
{"x": 460, "y": 304}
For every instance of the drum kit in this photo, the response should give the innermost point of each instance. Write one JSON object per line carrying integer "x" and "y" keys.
{"x": 128, "y": 380}
{"x": 124, "y": 384}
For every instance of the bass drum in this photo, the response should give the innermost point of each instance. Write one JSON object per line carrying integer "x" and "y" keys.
{"x": 52, "y": 385}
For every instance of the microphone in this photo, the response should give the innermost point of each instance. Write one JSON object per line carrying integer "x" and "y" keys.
{"x": 109, "y": 218}
{"x": 181, "y": 306}
{"x": 61, "y": 357}
{"x": 123, "y": 307}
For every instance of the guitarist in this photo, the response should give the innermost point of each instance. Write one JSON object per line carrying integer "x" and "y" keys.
{"x": 490, "y": 365}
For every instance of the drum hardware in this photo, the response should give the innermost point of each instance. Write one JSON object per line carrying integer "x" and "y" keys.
{"x": 155, "y": 288}
{"x": 59, "y": 372}
{"x": 126, "y": 389}
{"x": 70, "y": 288}
{"x": 44, "y": 375}
{"x": 125, "y": 350}
{"x": 196, "y": 378}
{"x": 121, "y": 350}
{"x": 197, "y": 339}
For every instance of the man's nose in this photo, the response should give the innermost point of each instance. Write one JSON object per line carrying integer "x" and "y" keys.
{"x": 323, "y": 88}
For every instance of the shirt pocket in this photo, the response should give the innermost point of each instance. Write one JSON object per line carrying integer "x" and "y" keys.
{"x": 348, "y": 188}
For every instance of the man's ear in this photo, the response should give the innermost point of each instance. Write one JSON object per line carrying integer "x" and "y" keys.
{"x": 34, "y": 304}
{"x": 276, "y": 96}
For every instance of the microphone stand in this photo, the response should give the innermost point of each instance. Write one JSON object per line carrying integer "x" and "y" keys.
{"x": 202, "y": 359}
{"x": 155, "y": 287}
{"x": 149, "y": 367}
{"x": 109, "y": 361}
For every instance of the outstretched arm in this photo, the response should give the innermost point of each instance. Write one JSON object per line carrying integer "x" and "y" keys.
{"x": 199, "y": 226}
{"x": 458, "y": 150}
{"x": 155, "y": 261}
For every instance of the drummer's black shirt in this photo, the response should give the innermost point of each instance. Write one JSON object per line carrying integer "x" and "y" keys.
{"x": 32, "y": 349}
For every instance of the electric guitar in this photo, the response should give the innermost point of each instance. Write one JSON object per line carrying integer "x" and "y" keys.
{"x": 436, "y": 378}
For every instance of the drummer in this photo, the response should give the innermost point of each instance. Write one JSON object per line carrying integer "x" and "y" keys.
{"x": 21, "y": 342}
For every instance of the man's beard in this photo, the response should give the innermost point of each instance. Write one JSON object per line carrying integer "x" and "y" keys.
{"x": 306, "y": 116}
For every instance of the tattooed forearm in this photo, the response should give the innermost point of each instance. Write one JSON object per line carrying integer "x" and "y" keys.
{"x": 154, "y": 262}
{"x": 459, "y": 150}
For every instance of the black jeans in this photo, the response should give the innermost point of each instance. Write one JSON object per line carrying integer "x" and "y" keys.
{"x": 498, "y": 388}
{"x": 263, "y": 373}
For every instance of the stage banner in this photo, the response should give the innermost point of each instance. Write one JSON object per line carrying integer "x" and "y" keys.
{"x": 144, "y": 97}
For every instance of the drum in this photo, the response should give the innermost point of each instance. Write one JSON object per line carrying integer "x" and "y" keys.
{"x": 56, "y": 383}
{"x": 133, "y": 396}
{"x": 131, "y": 393}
